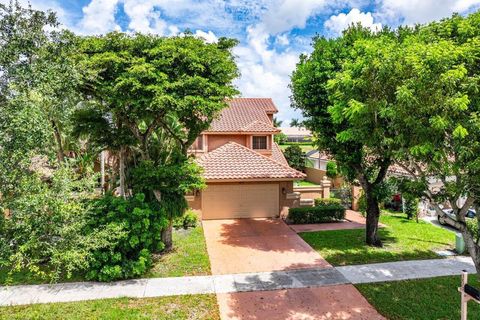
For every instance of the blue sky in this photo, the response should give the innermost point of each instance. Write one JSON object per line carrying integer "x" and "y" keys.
{"x": 272, "y": 33}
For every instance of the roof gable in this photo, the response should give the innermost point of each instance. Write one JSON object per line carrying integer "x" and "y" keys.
{"x": 233, "y": 161}
{"x": 245, "y": 115}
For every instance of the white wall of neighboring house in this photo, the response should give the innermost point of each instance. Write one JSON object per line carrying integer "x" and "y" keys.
{"x": 319, "y": 164}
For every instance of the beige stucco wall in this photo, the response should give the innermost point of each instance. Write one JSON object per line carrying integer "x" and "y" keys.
{"x": 284, "y": 188}
{"x": 309, "y": 192}
{"x": 315, "y": 175}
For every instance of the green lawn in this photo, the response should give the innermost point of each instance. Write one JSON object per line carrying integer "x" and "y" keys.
{"x": 303, "y": 183}
{"x": 178, "y": 307}
{"x": 403, "y": 240}
{"x": 188, "y": 258}
{"x": 424, "y": 299}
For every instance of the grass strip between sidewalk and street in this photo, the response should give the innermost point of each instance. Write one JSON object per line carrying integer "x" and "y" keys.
{"x": 199, "y": 307}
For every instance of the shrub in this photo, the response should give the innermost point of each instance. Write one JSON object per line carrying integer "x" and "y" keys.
{"x": 128, "y": 255}
{"x": 327, "y": 201}
{"x": 317, "y": 214}
{"x": 332, "y": 171}
{"x": 410, "y": 206}
{"x": 295, "y": 157}
{"x": 472, "y": 225}
{"x": 43, "y": 235}
{"x": 344, "y": 194}
{"x": 188, "y": 220}
{"x": 280, "y": 138}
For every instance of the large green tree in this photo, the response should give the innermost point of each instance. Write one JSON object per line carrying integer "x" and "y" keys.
{"x": 150, "y": 97}
{"x": 437, "y": 118}
{"x": 346, "y": 105}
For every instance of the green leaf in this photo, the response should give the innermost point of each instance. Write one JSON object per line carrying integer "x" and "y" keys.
{"x": 460, "y": 132}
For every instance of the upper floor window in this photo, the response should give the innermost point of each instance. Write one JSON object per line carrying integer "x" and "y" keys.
{"x": 259, "y": 142}
{"x": 198, "y": 144}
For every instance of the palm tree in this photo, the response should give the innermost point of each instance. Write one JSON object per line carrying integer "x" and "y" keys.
{"x": 277, "y": 123}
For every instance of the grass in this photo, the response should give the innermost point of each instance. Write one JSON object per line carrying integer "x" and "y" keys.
{"x": 188, "y": 258}
{"x": 403, "y": 239}
{"x": 424, "y": 299}
{"x": 303, "y": 183}
{"x": 178, "y": 307}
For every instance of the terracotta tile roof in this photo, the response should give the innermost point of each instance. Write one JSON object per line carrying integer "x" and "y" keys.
{"x": 233, "y": 161}
{"x": 266, "y": 104}
{"x": 245, "y": 115}
{"x": 277, "y": 155}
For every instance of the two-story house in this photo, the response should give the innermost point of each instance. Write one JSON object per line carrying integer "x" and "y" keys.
{"x": 246, "y": 173}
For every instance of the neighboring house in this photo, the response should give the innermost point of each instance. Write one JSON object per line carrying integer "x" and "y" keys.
{"x": 318, "y": 160}
{"x": 246, "y": 172}
{"x": 295, "y": 134}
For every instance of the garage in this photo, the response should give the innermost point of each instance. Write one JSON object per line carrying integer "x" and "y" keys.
{"x": 229, "y": 201}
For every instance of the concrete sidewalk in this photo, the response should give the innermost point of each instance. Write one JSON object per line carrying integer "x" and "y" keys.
{"x": 230, "y": 283}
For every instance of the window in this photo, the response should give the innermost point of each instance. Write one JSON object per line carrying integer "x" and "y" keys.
{"x": 259, "y": 142}
{"x": 198, "y": 144}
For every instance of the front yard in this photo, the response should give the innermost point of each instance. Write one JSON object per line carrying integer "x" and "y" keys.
{"x": 189, "y": 257}
{"x": 403, "y": 240}
{"x": 177, "y": 307}
{"x": 424, "y": 299}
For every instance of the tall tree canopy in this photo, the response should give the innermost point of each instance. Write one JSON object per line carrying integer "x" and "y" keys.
{"x": 152, "y": 96}
{"x": 345, "y": 105}
{"x": 408, "y": 97}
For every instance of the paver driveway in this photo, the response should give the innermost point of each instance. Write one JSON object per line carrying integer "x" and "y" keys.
{"x": 262, "y": 245}
{"x": 257, "y": 245}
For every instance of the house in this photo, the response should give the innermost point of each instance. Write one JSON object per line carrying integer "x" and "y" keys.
{"x": 318, "y": 160}
{"x": 246, "y": 173}
{"x": 295, "y": 134}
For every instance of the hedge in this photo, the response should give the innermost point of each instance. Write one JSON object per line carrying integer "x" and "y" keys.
{"x": 317, "y": 214}
{"x": 327, "y": 201}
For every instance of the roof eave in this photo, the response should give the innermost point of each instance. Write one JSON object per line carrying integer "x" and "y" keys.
{"x": 253, "y": 180}
{"x": 240, "y": 132}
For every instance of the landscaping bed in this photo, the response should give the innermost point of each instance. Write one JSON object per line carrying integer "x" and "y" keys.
{"x": 176, "y": 307}
{"x": 422, "y": 299}
{"x": 325, "y": 210}
{"x": 403, "y": 240}
{"x": 189, "y": 257}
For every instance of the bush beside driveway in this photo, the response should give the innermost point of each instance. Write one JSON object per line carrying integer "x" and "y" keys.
{"x": 188, "y": 258}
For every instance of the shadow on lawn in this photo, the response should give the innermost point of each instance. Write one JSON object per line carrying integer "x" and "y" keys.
{"x": 347, "y": 247}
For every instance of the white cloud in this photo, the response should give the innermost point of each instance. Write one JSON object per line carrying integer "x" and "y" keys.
{"x": 98, "y": 17}
{"x": 337, "y": 23}
{"x": 209, "y": 36}
{"x": 143, "y": 17}
{"x": 410, "y": 12}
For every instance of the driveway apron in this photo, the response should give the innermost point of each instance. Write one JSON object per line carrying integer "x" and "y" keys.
{"x": 262, "y": 245}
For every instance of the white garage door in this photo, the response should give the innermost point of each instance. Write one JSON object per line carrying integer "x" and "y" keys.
{"x": 240, "y": 201}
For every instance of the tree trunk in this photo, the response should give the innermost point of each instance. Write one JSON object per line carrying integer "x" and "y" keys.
{"x": 167, "y": 236}
{"x": 121, "y": 170}
{"x": 58, "y": 139}
{"x": 473, "y": 248}
{"x": 102, "y": 171}
{"x": 373, "y": 214}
